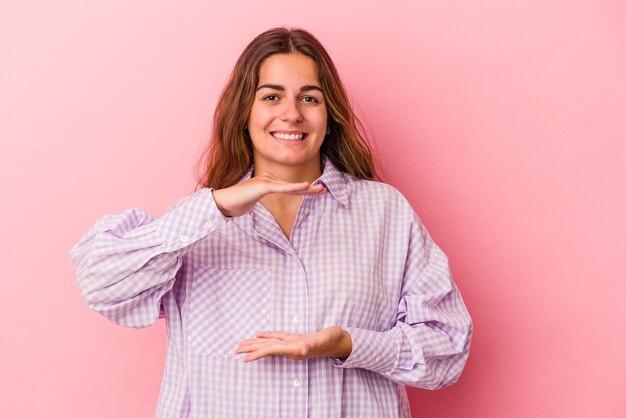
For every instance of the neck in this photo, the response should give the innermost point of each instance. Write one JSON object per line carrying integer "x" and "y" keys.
{"x": 293, "y": 174}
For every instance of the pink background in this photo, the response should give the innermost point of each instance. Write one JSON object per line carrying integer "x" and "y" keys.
{"x": 502, "y": 122}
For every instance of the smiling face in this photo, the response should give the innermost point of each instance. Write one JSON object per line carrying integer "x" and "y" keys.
{"x": 288, "y": 119}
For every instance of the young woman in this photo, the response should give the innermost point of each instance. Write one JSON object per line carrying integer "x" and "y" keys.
{"x": 293, "y": 283}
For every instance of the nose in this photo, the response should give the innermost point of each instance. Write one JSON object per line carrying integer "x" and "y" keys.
{"x": 291, "y": 112}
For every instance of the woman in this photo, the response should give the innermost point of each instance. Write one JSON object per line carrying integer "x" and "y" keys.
{"x": 292, "y": 282}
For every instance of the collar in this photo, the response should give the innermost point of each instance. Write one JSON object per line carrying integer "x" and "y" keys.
{"x": 332, "y": 179}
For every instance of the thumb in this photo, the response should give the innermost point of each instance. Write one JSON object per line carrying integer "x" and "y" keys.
{"x": 304, "y": 350}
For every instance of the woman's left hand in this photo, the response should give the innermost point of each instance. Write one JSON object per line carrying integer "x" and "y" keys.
{"x": 329, "y": 342}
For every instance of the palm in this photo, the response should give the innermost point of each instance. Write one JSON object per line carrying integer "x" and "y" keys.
{"x": 241, "y": 198}
{"x": 324, "y": 343}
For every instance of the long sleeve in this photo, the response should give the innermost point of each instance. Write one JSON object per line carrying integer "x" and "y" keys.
{"x": 125, "y": 263}
{"x": 429, "y": 344}
{"x": 357, "y": 257}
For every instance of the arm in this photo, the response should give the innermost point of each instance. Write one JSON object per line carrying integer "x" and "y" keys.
{"x": 125, "y": 263}
{"x": 429, "y": 344}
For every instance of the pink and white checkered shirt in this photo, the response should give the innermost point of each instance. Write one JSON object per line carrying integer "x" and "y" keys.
{"x": 358, "y": 257}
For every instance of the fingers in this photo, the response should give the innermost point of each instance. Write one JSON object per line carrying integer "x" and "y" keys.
{"x": 253, "y": 346}
{"x": 256, "y": 340}
{"x": 257, "y": 354}
{"x": 312, "y": 191}
{"x": 276, "y": 185}
{"x": 269, "y": 334}
{"x": 266, "y": 348}
{"x": 296, "y": 188}
{"x": 262, "y": 349}
{"x": 274, "y": 343}
{"x": 263, "y": 339}
{"x": 240, "y": 198}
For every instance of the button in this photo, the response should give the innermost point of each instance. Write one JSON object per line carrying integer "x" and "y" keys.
{"x": 184, "y": 238}
{"x": 296, "y": 262}
{"x": 296, "y": 319}
{"x": 296, "y": 382}
{"x": 209, "y": 223}
{"x": 306, "y": 211}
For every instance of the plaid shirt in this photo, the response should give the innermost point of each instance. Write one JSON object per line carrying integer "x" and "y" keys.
{"x": 359, "y": 257}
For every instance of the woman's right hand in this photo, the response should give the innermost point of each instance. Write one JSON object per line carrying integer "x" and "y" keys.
{"x": 241, "y": 197}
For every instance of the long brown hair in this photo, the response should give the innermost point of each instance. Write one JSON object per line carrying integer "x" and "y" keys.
{"x": 228, "y": 154}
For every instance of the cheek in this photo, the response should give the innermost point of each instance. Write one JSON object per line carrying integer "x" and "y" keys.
{"x": 259, "y": 117}
{"x": 315, "y": 117}
{"x": 319, "y": 119}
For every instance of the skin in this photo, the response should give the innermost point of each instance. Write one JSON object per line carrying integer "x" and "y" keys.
{"x": 288, "y": 100}
{"x": 329, "y": 342}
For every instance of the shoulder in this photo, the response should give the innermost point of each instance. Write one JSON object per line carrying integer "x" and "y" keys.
{"x": 202, "y": 193}
{"x": 380, "y": 194}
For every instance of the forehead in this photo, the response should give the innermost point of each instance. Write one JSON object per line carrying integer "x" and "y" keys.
{"x": 288, "y": 68}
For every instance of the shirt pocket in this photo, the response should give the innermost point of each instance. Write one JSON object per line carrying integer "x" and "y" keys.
{"x": 226, "y": 307}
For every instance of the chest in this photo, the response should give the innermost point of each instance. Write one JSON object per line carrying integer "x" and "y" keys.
{"x": 334, "y": 269}
{"x": 283, "y": 213}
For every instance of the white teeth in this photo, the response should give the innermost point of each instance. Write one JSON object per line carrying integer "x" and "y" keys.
{"x": 289, "y": 137}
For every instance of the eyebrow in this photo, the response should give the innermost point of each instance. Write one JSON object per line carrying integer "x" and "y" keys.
{"x": 307, "y": 87}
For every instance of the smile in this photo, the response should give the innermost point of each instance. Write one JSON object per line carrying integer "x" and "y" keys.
{"x": 289, "y": 137}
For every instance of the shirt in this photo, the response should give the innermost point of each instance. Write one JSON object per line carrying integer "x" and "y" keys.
{"x": 358, "y": 257}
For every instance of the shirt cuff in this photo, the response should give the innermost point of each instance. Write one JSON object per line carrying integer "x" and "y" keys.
{"x": 372, "y": 350}
{"x": 190, "y": 219}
